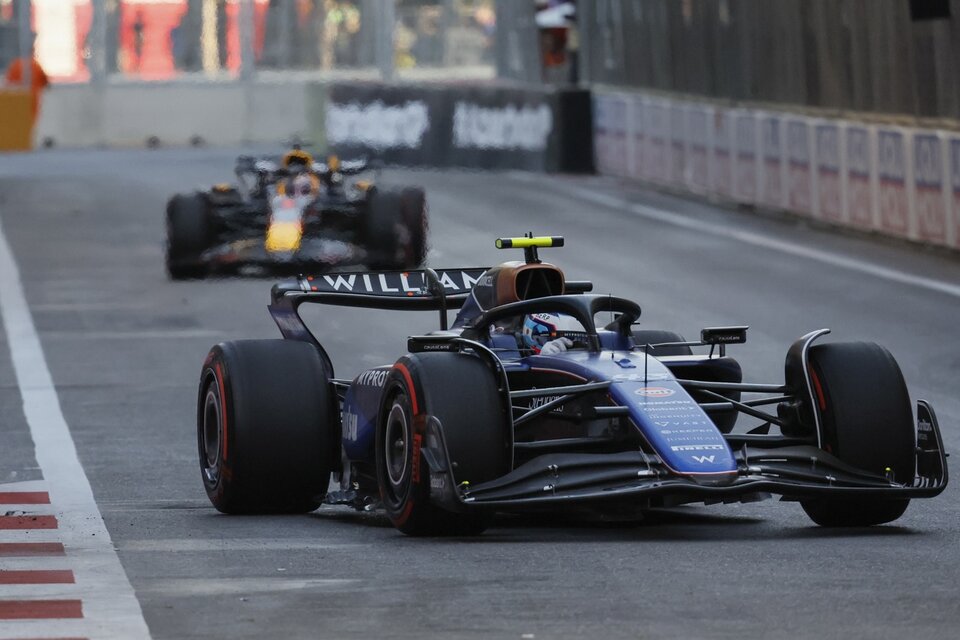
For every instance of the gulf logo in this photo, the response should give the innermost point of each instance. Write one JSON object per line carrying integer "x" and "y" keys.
{"x": 654, "y": 392}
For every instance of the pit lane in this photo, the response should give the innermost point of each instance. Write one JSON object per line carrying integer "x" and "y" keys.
{"x": 124, "y": 346}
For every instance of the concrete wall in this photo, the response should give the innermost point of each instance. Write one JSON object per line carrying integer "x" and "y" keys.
{"x": 893, "y": 180}
{"x": 128, "y": 114}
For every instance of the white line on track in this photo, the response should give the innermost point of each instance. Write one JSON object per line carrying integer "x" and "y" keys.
{"x": 190, "y": 587}
{"x": 754, "y": 239}
{"x": 110, "y": 607}
{"x": 180, "y": 545}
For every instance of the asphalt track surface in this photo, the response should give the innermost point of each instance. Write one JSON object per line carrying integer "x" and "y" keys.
{"x": 124, "y": 346}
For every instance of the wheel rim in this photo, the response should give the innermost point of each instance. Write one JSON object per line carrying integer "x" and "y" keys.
{"x": 396, "y": 445}
{"x": 211, "y": 433}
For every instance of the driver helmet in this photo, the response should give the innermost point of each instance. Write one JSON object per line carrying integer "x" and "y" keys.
{"x": 540, "y": 328}
{"x": 297, "y": 157}
{"x": 301, "y": 185}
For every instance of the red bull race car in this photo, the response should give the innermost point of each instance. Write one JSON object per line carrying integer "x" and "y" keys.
{"x": 543, "y": 396}
{"x": 294, "y": 214}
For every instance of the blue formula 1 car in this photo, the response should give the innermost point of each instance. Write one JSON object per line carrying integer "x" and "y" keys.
{"x": 526, "y": 403}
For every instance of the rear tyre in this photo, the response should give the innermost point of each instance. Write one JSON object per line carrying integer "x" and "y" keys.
{"x": 867, "y": 422}
{"x": 266, "y": 427}
{"x": 188, "y": 235}
{"x": 461, "y": 392}
{"x": 642, "y": 337}
{"x": 413, "y": 204}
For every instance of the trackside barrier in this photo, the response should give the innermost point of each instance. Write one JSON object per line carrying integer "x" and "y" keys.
{"x": 482, "y": 126}
{"x": 746, "y": 158}
{"x": 799, "y": 166}
{"x": 180, "y": 113}
{"x": 931, "y": 204}
{"x": 656, "y": 155}
{"x": 897, "y": 181}
{"x": 610, "y": 134}
{"x": 721, "y": 165}
{"x": 771, "y": 188}
{"x": 700, "y": 148}
{"x": 893, "y": 167}
{"x": 860, "y": 194}
{"x": 16, "y": 120}
{"x": 678, "y": 144}
{"x": 829, "y": 161}
{"x": 636, "y": 137}
{"x": 954, "y": 152}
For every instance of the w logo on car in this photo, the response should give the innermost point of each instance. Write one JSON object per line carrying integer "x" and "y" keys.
{"x": 703, "y": 459}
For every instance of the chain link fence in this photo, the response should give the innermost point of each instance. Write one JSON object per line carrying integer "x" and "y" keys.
{"x": 844, "y": 55}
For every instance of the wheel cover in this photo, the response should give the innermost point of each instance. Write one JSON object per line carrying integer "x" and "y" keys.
{"x": 211, "y": 433}
{"x": 396, "y": 445}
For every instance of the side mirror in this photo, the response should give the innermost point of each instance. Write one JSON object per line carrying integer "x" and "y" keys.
{"x": 723, "y": 335}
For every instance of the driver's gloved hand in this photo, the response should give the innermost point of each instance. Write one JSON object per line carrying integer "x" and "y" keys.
{"x": 554, "y": 347}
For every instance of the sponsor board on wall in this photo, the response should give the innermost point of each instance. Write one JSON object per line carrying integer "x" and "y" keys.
{"x": 859, "y": 192}
{"x": 678, "y": 143}
{"x": 610, "y": 131}
{"x": 483, "y": 127}
{"x": 721, "y": 170}
{"x": 746, "y": 164}
{"x": 656, "y": 155}
{"x": 497, "y": 127}
{"x": 930, "y": 204}
{"x": 771, "y": 191}
{"x": 510, "y": 127}
{"x": 954, "y": 153}
{"x": 799, "y": 172}
{"x": 638, "y": 136}
{"x": 893, "y": 203}
{"x": 829, "y": 161}
{"x": 378, "y": 125}
{"x": 698, "y": 148}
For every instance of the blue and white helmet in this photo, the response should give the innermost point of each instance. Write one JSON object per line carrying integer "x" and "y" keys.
{"x": 541, "y": 328}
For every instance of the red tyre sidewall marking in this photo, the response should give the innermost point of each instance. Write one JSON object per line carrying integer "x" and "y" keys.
{"x": 218, "y": 374}
{"x": 415, "y": 465}
{"x": 414, "y": 406}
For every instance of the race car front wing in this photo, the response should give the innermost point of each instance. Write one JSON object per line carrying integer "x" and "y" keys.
{"x": 764, "y": 466}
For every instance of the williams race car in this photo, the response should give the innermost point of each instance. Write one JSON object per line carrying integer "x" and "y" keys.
{"x": 296, "y": 215}
{"x": 541, "y": 395}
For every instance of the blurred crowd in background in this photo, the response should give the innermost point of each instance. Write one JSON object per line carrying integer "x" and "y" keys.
{"x": 163, "y": 39}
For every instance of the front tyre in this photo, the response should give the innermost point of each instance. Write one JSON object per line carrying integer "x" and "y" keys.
{"x": 461, "y": 392}
{"x": 867, "y": 422}
{"x": 266, "y": 427}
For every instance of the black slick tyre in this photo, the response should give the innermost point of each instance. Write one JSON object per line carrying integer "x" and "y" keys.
{"x": 461, "y": 392}
{"x": 867, "y": 422}
{"x": 266, "y": 427}
{"x": 642, "y": 337}
{"x": 413, "y": 204}
{"x": 188, "y": 235}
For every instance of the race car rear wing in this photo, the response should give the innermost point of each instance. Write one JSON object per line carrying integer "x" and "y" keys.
{"x": 415, "y": 290}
